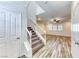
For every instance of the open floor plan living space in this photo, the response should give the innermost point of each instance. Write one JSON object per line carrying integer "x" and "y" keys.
{"x": 39, "y": 29}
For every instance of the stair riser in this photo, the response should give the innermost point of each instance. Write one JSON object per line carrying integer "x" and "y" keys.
{"x": 34, "y": 40}
{"x": 34, "y": 33}
{"x": 33, "y": 45}
{"x": 35, "y": 50}
{"x": 33, "y": 36}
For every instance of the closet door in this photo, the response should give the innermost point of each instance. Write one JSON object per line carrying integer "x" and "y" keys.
{"x": 10, "y": 26}
{"x": 14, "y": 27}
{"x": 10, "y": 33}
{"x": 2, "y": 27}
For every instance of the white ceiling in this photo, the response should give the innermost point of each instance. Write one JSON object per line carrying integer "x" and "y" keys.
{"x": 54, "y": 9}
{"x": 14, "y": 5}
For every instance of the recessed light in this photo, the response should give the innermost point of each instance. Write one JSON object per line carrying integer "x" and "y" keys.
{"x": 51, "y": 20}
{"x": 39, "y": 18}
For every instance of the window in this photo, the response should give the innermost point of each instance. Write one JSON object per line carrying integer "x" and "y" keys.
{"x": 60, "y": 27}
{"x": 75, "y": 27}
{"x": 49, "y": 26}
{"x": 55, "y": 27}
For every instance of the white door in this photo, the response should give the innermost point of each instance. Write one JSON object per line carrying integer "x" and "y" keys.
{"x": 10, "y": 31}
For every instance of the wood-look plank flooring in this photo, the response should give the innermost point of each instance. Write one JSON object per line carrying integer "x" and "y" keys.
{"x": 58, "y": 47}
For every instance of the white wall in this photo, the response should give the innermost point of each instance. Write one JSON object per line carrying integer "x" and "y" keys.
{"x": 67, "y": 27}
{"x": 75, "y": 35}
{"x": 32, "y": 11}
{"x": 65, "y": 32}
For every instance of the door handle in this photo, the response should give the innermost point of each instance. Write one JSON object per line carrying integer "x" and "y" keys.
{"x": 18, "y": 38}
{"x": 77, "y": 43}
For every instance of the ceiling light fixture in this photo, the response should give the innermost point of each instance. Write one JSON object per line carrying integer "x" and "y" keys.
{"x": 57, "y": 19}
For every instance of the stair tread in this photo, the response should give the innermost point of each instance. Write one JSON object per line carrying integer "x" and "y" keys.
{"x": 39, "y": 52}
{"x": 34, "y": 35}
{"x": 35, "y": 42}
{"x": 37, "y": 47}
{"x": 35, "y": 38}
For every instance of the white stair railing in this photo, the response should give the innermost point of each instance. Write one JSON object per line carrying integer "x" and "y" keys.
{"x": 39, "y": 31}
{"x": 27, "y": 43}
{"x": 29, "y": 34}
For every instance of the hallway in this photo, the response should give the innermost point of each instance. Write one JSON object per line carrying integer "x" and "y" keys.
{"x": 58, "y": 47}
{"x": 39, "y": 29}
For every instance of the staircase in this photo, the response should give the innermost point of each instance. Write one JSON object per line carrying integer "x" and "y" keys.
{"x": 57, "y": 47}
{"x": 37, "y": 43}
